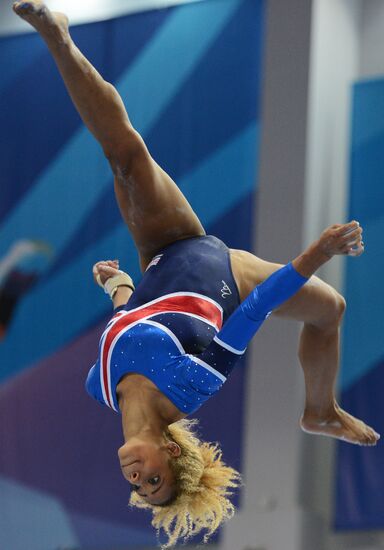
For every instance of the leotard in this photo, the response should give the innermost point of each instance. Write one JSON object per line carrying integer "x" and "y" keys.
{"x": 184, "y": 327}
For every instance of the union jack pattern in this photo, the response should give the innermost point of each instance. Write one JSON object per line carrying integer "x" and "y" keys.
{"x": 187, "y": 303}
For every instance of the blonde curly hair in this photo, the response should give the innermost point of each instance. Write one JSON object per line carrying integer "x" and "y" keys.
{"x": 203, "y": 485}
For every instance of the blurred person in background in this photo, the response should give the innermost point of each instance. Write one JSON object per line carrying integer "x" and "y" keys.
{"x": 20, "y": 269}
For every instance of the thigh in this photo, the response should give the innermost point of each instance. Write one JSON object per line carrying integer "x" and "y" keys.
{"x": 313, "y": 304}
{"x": 153, "y": 207}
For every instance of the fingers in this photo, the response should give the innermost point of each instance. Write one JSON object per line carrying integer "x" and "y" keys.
{"x": 347, "y": 228}
{"x": 343, "y": 239}
{"x": 107, "y": 270}
{"x": 356, "y": 251}
{"x": 104, "y": 269}
{"x": 350, "y": 236}
{"x": 110, "y": 263}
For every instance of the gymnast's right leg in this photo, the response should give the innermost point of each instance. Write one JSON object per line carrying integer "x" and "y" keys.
{"x": 154, "y": 209}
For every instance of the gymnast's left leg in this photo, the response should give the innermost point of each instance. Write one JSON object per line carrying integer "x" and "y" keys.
{"x": 152, "y": 206}
{"x": 321, "y": 309}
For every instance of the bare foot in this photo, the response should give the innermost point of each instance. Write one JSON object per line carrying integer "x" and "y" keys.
{"x": 341, "y": 425}
{"x": 48, "y": 24}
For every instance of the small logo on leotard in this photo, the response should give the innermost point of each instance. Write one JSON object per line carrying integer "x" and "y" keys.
{"x": 154, "y": 261}
{"x": 225, "y": 291}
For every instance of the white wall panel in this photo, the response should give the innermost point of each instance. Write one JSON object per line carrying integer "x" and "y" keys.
{"x": 85, "y": 11}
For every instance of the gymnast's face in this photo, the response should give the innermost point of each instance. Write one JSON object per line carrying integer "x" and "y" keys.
{"x": 146, "y": 465}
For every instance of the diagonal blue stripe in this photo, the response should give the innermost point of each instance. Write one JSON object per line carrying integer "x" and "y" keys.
{"x": 179, "y": 47}
{"x": 44, "y": 116}
{"x": 64, "y": 185}
{"x": 216, "y": 186}
{"x": 224, "y": 178}
{"x": 205, "y": 117}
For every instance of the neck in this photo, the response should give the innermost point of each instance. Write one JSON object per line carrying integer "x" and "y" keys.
{"x": 141, "y": 418}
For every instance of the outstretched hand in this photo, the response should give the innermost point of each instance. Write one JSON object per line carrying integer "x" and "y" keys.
{"x": 103, "y": 270}
{"x": 342, "y": 239}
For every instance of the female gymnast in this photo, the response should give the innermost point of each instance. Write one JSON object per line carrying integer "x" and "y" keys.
{"x": 174, "y": 340}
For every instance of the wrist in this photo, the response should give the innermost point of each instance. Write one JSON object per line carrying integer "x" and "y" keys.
{"x": 121, "y": 279}
{"x": 121, "y": 295}
{"x": 310, "y": 260}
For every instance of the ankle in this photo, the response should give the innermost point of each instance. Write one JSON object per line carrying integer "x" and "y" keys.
{"x": 57, "y": 39}
{"x": 53, "y": 28}
{"x": 319, "y": 412}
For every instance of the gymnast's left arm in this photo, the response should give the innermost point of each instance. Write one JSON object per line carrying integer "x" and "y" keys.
{"x": 246, "y": 320}
{"x": 339, "y": 239}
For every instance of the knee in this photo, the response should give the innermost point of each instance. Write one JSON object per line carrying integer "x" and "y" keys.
{"x": 334, "y": 308}
{"x": 339, "y": 307}
{"x": 123, "y": 154}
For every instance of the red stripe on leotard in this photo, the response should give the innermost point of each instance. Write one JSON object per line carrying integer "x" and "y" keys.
{"x": 178, "y": 302}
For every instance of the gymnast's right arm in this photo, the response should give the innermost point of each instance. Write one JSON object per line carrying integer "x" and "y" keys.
{"x": 116, "y": 283}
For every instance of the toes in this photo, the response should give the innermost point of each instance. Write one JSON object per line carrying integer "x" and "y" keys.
{"x": 16, "y": 7}
{"x": 368, "y": 438}
{"x": 27, "y": 8}
{"x": 363, "y": 434}
{"x": 363, "y": 437}
{"x": 22, "y": 7}
{"x": 373, "y": 437}
{"x": 344, "y": 427}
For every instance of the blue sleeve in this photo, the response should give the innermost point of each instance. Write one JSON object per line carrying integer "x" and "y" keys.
{"x": 250, "y": 315}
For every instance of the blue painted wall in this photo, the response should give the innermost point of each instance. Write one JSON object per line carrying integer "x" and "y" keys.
{"x": 360, "y": 479}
